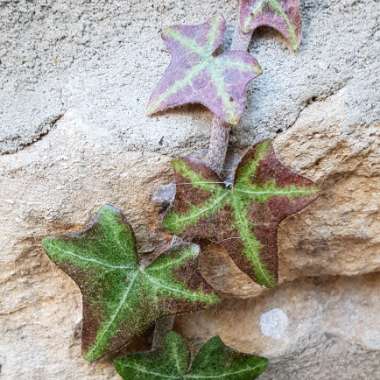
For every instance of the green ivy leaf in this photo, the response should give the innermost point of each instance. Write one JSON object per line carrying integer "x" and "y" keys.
{"x": 122, "y": 298}
{"x": 282, "y": 15}
{"x": 243, "y": 218}
{"x": 214, "y": 361}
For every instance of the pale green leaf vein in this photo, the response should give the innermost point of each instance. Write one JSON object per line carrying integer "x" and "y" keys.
{"x": 178, "y": 222}
{"x": 101, "y": 338}
{"x": 186, "y": 42}
{"x": 144, "y": 370}
{"x": 177, "y": 292}
{"x": 228, "y": 104}
{"x": 223, "y": 375}
{"x": 179, "y": 85}
{"x": 73, "y": 258}
{"x": 252, "y": 246}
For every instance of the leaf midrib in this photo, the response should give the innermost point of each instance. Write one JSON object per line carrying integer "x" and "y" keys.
{"x": 110, "y": 321}
{"x": 175, "y": 292}
{"x": 102, "y": 263}
{"x": 248, "y": 239}
{"x": 277, "y": 192}
{"x": 190, "y": 376}
{"x": 214, "y": 202}
{"x": 219, "y": 376}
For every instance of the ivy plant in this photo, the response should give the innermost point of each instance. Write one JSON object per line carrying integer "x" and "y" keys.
{"x": 124, "y": 293}
{"x": 197, "y": 74}
{"x": 282, "y": 15}
{"x": 173, "y": 361}
{"x": 121, "y": 297}
{"x": 244, "y": 216}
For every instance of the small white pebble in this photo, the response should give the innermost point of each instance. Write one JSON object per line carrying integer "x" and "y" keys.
{"x": 274, "y": 323}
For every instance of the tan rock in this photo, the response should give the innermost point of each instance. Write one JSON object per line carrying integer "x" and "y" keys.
{"x": 339, "y": 233}
{"x": 96, "y": 64}
{"x": 54, "y": 185}
{"x": 49, "y": 188}
{"x": 330, "y": 321}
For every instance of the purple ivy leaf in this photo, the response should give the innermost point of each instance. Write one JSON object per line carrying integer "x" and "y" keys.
{"x": 197, "y": 74}
{"x": 282, "y": 15}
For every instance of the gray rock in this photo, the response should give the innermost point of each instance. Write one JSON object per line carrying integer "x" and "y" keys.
{"x": 103, "y": 60}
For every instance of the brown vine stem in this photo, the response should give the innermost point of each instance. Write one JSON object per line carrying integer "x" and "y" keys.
{"x": 216, "y": 155}
{"x": 220, "y": 131}
{"x": 163, "y": 327}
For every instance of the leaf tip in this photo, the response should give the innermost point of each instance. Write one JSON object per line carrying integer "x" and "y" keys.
{"x": 166, "y": 32}
{"x": 47, "y": 243}
{"x": 151, "y": 109}
{"x": 106, "y": 211}
{"x": 212, "y": 299}
{"x": 262, "y": 364}
{"x": 257, "y": 69}
{"x": 90, "y": 357}
{"x": 109, "y": 209}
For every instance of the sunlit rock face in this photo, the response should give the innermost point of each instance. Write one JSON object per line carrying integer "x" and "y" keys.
{"x": 74, "y": 82}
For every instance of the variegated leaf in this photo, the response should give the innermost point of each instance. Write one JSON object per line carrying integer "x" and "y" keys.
{"x": 213, "y": 361}
{"x": 244, "y": 218}
{"x": 282, "y": 15}
{"x": 197, "y": 74}
{"x": 121, "y": 297}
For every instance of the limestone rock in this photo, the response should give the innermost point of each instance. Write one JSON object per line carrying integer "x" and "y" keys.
{"x": 338, "y": 234}
{"x": 325, "y": 328}
{"x": 50, "y": 188}
{"x": 74, "y": 81}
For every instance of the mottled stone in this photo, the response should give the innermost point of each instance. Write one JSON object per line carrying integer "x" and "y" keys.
{"x": 326, "y": 328}
{"x": 48, "y": 188}
{"x": 339, "y": 233}
{"x": 74, "y": 81}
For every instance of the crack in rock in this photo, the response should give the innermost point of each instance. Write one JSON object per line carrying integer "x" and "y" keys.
{"x": 42, "y": 130}
{"x": 317, "y": 98}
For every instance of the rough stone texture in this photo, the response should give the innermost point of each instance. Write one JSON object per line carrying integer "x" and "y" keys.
{"x": 49, "y": 188}
{"x": 311, "y": 329}
{"x": 104, "y": 59}
{"x": 339, "y": 233}
{"x": 74, "y": 80}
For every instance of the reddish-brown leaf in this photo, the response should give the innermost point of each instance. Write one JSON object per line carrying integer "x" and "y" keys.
{"x": 122, "y": 298}
{"x": 244, "y": 218}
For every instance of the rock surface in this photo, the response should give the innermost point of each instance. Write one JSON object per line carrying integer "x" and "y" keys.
{"x": 339, "y": 233}
{"x": 310, "y": 329}
{"x": 74, "y": 81}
